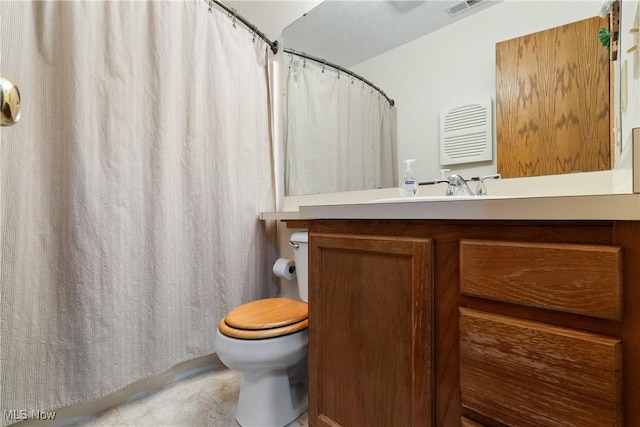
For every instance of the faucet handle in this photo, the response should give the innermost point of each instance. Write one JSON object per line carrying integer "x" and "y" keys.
{"x": 481, "y": 190}
{"x": 494, "y": 176}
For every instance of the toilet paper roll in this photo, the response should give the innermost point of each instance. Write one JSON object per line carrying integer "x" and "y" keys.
{"x": 284, "y": 268}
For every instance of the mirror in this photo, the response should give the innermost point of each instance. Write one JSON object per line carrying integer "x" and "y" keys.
{"x": 429, "y": 63}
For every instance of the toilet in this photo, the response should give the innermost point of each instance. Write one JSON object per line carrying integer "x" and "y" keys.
{"x": 267, "y": 341}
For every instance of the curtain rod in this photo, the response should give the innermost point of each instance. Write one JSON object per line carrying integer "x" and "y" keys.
{"x": 234, "y": 13}
{"x": 342, "y": 69}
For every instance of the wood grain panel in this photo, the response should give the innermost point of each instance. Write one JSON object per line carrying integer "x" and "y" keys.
{"x": 552, "y": 102}
{"x": 580, "y": 279}
{"x": 465, "y": 422}
{"x": 532, "y": 374}
{"x": 370, "y": 327}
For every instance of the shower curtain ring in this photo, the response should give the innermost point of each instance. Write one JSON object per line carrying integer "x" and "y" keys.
{"x": 210, "y": 6}
{"x": 234, "y": 17}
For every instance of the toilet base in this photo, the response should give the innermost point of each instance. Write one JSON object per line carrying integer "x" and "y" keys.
{"x": 273, "y": 398}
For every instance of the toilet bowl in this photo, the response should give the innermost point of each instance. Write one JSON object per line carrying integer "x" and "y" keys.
{"x": 267, "y": 341}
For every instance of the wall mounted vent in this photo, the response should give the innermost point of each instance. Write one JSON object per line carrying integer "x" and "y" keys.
{"x": 466, "y": 133}
{"x": 461, "y": 6}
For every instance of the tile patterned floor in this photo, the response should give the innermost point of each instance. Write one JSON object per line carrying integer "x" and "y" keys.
{"x": 207, "y": 400}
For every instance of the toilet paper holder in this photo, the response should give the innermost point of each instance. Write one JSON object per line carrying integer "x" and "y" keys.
{"x": 284, "y": 268}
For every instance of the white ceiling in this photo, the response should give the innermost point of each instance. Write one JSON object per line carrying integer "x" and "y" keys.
{"x": 348, "y": 32}
{"x": 271, "y": 16}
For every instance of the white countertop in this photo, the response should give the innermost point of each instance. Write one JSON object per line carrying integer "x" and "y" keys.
{"x": 585, "y": 207}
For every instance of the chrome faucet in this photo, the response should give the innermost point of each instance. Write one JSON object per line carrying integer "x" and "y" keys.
{"x": 457, "y": 185}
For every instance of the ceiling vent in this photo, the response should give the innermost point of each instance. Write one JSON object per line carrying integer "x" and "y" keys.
{"x": 466, "y": 133}
{"x": 461, "y": 6}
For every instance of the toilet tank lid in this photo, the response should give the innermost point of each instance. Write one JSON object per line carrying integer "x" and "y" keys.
{"x": 300, "y": 237}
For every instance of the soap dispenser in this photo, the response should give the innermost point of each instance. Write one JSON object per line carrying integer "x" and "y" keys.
{"x": 409, "y": 186}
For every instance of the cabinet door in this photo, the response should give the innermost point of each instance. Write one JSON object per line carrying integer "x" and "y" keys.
{"x": 370, "y": 328}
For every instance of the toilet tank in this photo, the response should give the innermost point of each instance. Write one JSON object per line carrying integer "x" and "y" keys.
{"x": 300, "y": 243}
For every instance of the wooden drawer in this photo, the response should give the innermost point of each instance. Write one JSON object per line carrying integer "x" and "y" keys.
{"x": 580, "y": 279}
{"x": 531, "y": 374}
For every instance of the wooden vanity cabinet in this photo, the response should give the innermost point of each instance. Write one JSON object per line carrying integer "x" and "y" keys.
{"x": 474, "y": 323}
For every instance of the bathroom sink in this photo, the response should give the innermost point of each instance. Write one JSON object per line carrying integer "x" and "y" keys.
{"x": 437, "y": 199}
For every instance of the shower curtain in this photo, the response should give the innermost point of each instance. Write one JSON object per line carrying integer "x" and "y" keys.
{"x": 340, "y": 132}
{"x": 131, "y": 190}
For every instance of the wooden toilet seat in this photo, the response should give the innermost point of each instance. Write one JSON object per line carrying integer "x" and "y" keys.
{"x": 265, "y": 318}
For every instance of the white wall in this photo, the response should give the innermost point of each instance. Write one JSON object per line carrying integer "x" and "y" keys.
{"x": 453, "y": 65}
